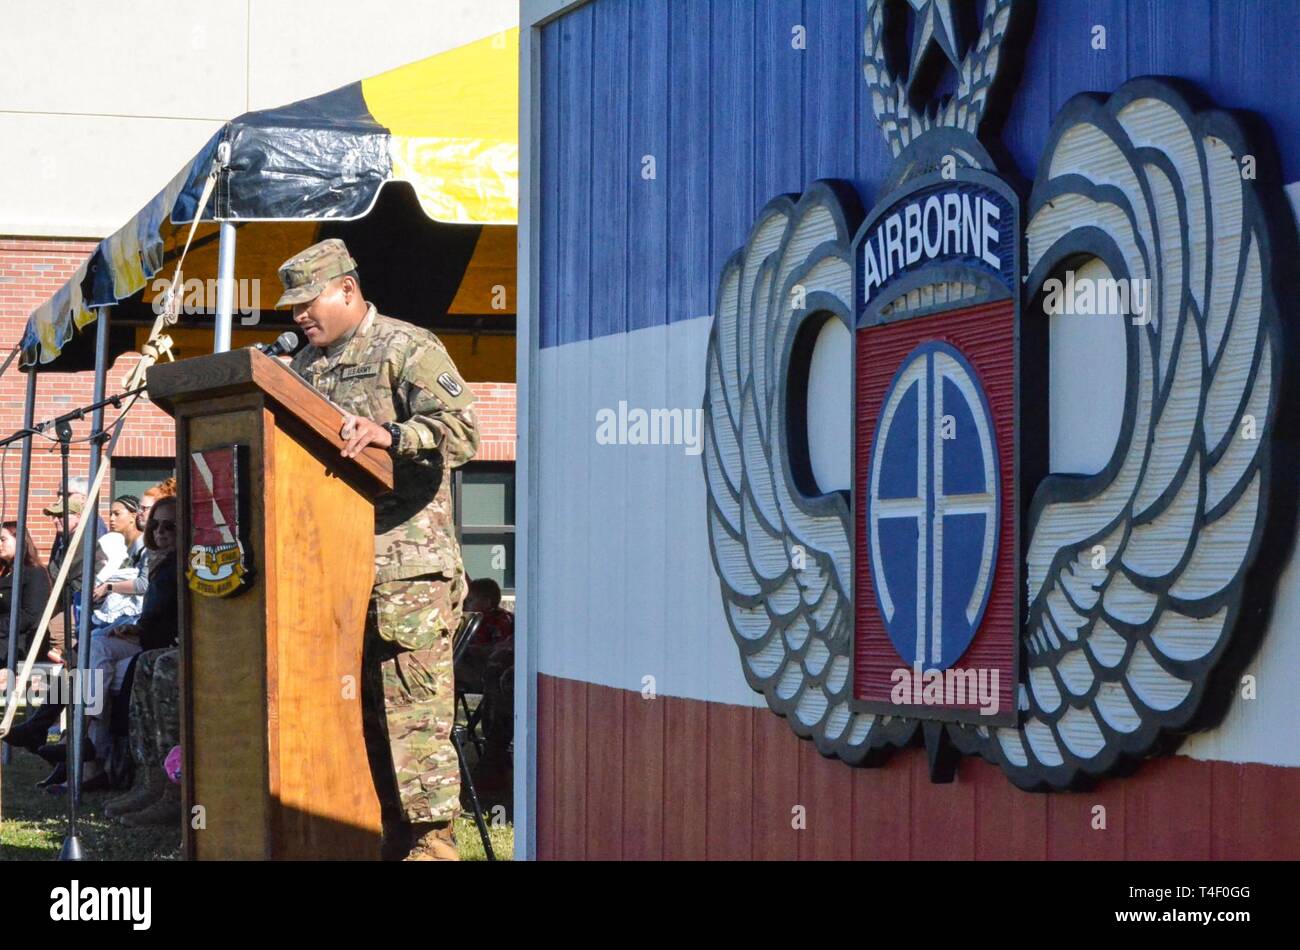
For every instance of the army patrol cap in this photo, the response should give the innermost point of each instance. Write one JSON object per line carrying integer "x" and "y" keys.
{"x": 75, "y": 507}
{"x": 306, "y": 273}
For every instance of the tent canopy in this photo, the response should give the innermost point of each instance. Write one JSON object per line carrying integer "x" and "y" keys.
{"x": 446, "y": 126}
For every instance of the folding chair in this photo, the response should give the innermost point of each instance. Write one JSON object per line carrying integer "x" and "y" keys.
{"x": 464, "y": 637}
{"x": 468, "y": 625}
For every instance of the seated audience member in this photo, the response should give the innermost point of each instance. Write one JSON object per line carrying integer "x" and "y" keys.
{"x": 164, "y": 489}
{"x": 123, "y": 584}
{"x": 496, "y": 629}
{"x": 155, "y": 688}
{"x": 76, "y": 504}
{"x": 35, "y": 590}
{"x": 117, "y": 605}
{"x": 118, "y": 596}
{"x": 110, "y": 549}
{"x": 156, "y": 626}
{"x": 487, "y": 666}
{"x": 495, "y": 632}
{"x": 110, "y": 552}
{"x": 155, "y": 729}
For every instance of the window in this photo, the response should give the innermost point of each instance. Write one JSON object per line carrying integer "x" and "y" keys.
{"x": 485, "y": 520}
{"x": 135, "y": 476}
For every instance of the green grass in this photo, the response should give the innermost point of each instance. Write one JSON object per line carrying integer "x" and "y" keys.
{"x": 33, "y": 824}
{"x": 470, "y": 843}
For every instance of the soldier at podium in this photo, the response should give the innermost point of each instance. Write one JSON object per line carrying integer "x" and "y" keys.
{"x": 400, "y": 391}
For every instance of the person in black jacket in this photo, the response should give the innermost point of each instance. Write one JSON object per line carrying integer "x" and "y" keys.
{"x": 35, "y": 590}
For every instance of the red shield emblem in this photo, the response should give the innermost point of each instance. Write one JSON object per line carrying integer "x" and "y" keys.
{"x": 218, "y": 558}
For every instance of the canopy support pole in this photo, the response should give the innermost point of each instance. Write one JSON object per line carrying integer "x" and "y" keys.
{"x": 20, "y": 545}
{"x": 225, "y": 287}
{"x": 72, "y": 845}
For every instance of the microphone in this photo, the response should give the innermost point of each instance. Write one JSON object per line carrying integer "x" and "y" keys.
{"x": 285, "y": 343}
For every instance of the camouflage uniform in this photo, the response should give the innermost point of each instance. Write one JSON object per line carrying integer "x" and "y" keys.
{"x": 391, "y": 371}
{"x": 155, "y": 706}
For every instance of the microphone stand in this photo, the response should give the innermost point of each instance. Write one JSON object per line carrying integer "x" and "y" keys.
{"x": 63, "y": 429}
{"x": 39, "y": 429}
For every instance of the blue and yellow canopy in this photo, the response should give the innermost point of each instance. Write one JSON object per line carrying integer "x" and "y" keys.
{"x": 446, "y": 125}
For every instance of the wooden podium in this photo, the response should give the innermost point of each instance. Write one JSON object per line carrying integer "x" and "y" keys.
{"x": 275, "y": 764}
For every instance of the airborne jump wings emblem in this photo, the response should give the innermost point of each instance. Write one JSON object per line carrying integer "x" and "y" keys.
{"x": 1116, "y": 650}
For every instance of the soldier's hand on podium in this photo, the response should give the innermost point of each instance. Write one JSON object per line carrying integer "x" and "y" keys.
{"x": 361, "y": 432}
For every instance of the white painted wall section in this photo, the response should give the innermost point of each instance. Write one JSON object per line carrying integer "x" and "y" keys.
{"x": 626, "y": 588}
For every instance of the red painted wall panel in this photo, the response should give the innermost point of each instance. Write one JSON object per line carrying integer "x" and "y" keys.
{"x": 826, "y": 790}
{"x": 776, "y": 788}
{"x": 730, "y": 754}
{"x": 1253, "y": 812}
{"x": 570, "y": 776}
{"x": 1072, "y": 832}
{"x": 643, "y": 797}
{"x": 686, "y": 778}
{"x": 882, "y": 812}
{"x": 942, "y": 816}
{"x": 548, "y": 786}
{"x": 1009, "y": 825}
{"x": 1168, "y": 812}
{"x": 700, "y": 780}
{"x": 605, "y": 774}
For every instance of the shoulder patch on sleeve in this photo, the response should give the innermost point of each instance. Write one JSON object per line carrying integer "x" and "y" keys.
{"x": 451, "y": 384}
{"x": 433, "y": 371}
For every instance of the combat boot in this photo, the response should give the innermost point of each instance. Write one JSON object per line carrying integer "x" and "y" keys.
{"x": 147, "y": 790}
{"x": 165, "y": 811}
{"x": 433, "y": 842}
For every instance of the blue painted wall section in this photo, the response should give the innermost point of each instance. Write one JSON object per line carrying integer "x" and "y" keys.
{"x": 734, "y": 114}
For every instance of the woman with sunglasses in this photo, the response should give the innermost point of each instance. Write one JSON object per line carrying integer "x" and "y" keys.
{"x": 156, "y": 626}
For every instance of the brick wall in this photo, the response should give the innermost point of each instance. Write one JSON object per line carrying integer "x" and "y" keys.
{"x": 30, "y": 272}
{"x": 496, "y": 420}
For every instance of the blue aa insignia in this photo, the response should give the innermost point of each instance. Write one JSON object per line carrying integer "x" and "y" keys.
{"x": 932, "y": 507}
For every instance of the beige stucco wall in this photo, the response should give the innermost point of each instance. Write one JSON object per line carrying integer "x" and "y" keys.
{"x": 103, "y": 101}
